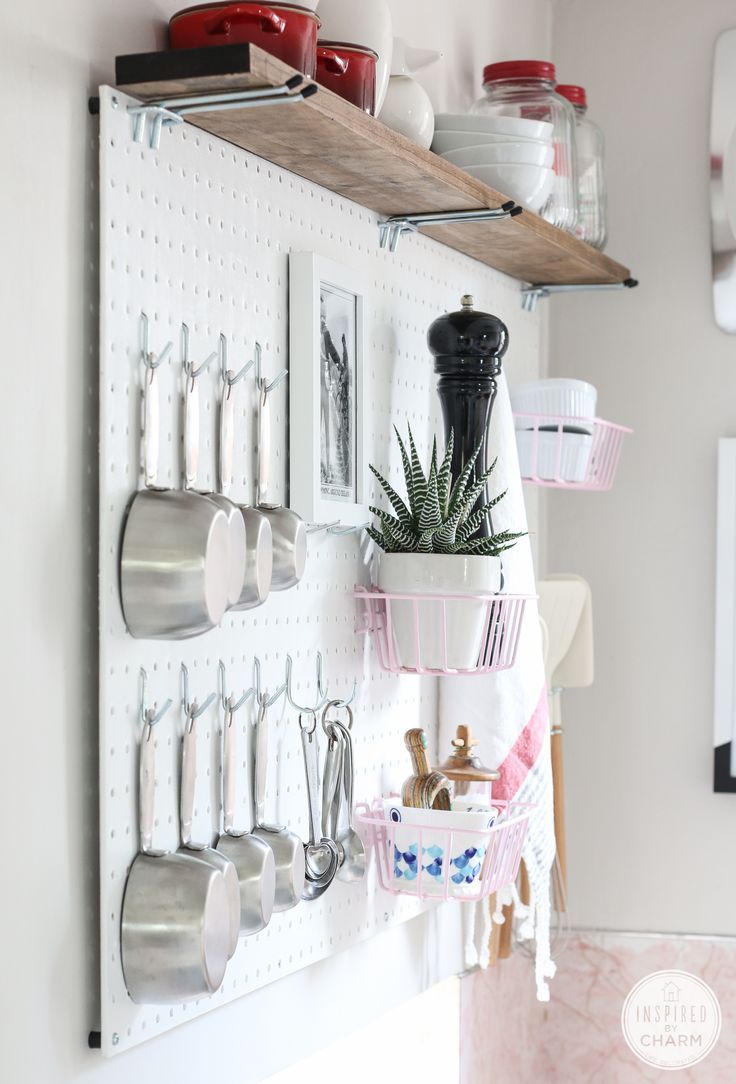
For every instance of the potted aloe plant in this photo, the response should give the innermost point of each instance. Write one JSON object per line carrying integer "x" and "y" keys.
{"x": 430, "y": 545}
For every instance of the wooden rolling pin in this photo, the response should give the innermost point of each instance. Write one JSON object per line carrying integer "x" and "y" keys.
{"x": 424, "y": 789}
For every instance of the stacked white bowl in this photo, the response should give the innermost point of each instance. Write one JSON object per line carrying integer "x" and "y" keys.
{"x": 513, "y": 154}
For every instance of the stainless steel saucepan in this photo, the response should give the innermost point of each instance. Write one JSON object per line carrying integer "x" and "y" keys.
{"x": 251, "y": 857}
{"x": 287, "y": 847}
{"x": 175, "y": 920}
{"x": 289, "y": 530}
{"x": 174, "y": 554}
{"x": 200, "y": 851}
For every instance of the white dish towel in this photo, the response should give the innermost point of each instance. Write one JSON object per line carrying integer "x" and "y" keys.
{"x": 508, "y": 712}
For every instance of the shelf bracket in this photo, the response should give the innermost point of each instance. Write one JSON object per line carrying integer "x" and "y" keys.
{"x": 392, "y": 229}
{"x": 530, "y": 295}
{"x": 164, "y": 112}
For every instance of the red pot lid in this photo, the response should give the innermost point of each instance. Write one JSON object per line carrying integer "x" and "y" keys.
{"x": 574, "y": 94}
{"x": 519, "y": 69}
{"x": 345, "y": 47}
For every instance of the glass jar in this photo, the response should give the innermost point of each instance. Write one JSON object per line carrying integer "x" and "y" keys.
{"x": 524, "y": 92}
{"x": 592, "y": 204}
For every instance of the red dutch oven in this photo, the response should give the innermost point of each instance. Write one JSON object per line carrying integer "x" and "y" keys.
{"x": 349, "y": 70}
{"x": 284, "y": 30}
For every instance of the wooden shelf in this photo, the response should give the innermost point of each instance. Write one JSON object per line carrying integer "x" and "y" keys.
{"x": 327, "y": 140}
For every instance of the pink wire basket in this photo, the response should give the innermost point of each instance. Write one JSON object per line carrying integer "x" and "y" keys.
{"x": 568, "y": 452}
{"x": 431, "y": 862}
{"x": 443, "y": 634}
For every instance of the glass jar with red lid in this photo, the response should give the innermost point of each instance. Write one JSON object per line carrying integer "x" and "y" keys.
{"x": 536, "y": 129}
{"x": 592, "y": 203}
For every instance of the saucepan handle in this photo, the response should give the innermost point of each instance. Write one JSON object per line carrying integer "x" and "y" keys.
{"x": 191, "y": 431}
{"x": 146, "y": 788}
{"x": 228, "y": 771}
{"x": 261, "y": 766}
{"x": 188, "y": 777}
{"x": 236, "y": 14}
{"x": 335, "y": 64}
{"x": 227, "y": 437}
{"x": 150, "y": 427}
{"x": 264, "y": 445}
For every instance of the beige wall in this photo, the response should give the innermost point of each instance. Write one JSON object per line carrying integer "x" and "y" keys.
{"x": 650, "y": 844}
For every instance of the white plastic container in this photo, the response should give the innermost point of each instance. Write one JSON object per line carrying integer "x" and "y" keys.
{"x": 554, "y": 456}
{"x": 557, "y": 397}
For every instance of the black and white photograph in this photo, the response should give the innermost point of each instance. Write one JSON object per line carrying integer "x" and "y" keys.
{"x": 337, "y": 399}
{"x": 327, "y": 459}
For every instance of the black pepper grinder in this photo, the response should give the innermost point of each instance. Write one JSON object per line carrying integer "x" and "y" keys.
{"x": 468, "y": 347}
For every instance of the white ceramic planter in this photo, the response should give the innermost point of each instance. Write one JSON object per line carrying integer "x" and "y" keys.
{"x": 438, "y": 574}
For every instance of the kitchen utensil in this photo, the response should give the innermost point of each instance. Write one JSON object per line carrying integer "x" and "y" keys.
{"x": 175, "y": 934}
{"x": 407, "y": 108}
{"x": 349, "y": 844}
{"x": 366, "y": 22}
{"x": 252, "y": 859}
{"x": 289, "y": 530}
{"x": 201, "y": 851}
{"x": 452, "y": 141}
{"x": 511, "y": 127}
{"x": 463, "y": 767}
{"x": 565, "y": 606}
{"x": 490, "y": 154}
{"x": 174, "y": 553}
{"x": 424, "y": 789}
{"x": 287, "y": 31}
{"x": 321, "y": 859}
{"x": 350, "y": 71}
{"x": 287, "y": 847}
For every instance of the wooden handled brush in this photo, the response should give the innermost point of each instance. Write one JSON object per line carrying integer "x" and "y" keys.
{"x": 424, "y": 789}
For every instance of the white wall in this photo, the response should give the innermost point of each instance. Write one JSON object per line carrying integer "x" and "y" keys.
{"x": 51, "y": 57}
{"x": 650, "y": 845}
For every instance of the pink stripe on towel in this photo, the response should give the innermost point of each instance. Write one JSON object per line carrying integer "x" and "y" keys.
{"x": 524, "y": 752}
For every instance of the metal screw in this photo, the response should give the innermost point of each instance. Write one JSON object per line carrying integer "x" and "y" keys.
{"x": 115, "y": 1038}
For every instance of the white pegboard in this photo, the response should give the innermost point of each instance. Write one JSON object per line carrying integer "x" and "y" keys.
{"x": 199, "y": 233}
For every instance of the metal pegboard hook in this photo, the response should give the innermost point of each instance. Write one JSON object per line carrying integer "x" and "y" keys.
{"x": 192, "y": 371}
{"x": 264, "y": 385}
{"x": 257, "y": 683}
{"x": 348, "y": 702}
{"x": 229, "y": 376}
{"x": 148, "y": 358}
{"x": 193, "y": 709}
{"x": 338, "y": 529}
{"x": 150, "y": 716}
{"x": 321, "y": 691}
{"x": 227, "y": 699}
{"x": 159, "y": 116}
{"x": 317, "y": 528}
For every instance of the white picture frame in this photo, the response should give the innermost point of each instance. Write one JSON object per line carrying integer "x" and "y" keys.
{"x": 327, "y": 467}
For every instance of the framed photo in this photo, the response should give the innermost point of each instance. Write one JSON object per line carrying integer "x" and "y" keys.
{"x": 326, "y": 392}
